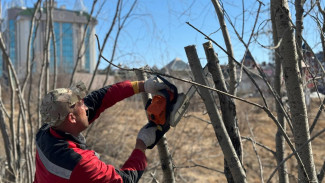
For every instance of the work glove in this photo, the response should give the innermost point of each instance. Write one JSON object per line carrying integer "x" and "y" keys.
{"x": 153, "y": 85}
{"x": 151, "y": 133}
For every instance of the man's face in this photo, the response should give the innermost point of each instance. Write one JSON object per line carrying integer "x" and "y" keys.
{"x": 80, "y": 111}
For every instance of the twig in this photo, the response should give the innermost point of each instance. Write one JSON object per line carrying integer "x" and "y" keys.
{"x": 259, "y": 144}
{"x": 188, "y": 116}
{"x": 255, "y": 150}
{"x": 261, "y": 2}
{"x": 317, "y": 116}
{"x": 153, "y": 177}
{"x": 311, "y": 8}
{"x": 201, "y": 166}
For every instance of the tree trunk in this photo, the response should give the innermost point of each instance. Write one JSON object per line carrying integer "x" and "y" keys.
{"x": 293, "y": 83}
{"x": 322, "y": 37}
{"x": 226, "y": 37}
{"x": 228, "y": 107}
{"x": 229, "y": 152}
{"x": 279, "y": 138}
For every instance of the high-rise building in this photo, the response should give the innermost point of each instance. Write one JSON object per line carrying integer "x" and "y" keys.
{"x": 69, "y": 30}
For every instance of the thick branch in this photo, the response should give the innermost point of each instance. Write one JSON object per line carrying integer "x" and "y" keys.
{"x": 229, "y": 152}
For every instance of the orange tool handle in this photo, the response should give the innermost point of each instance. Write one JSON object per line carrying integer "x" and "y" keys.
{"x": 157, "y": 109}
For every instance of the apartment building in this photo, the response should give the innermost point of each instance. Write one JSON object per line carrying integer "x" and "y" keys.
{"x": 70, "y": 36}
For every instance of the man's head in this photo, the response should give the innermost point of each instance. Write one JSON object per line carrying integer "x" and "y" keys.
{"x": 59, "y": 103}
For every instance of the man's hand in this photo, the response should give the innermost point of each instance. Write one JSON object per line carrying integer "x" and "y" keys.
{"x": 150, "y": 134}
{"x": 153, "y": 85}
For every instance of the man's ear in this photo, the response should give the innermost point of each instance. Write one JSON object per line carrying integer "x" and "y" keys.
{"x": 71, "y": 118}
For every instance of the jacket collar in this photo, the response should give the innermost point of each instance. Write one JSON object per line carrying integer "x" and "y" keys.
{"x": 80, "y": 140}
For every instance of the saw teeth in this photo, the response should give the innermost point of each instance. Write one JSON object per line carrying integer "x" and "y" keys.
{"x": 179, "y": 109}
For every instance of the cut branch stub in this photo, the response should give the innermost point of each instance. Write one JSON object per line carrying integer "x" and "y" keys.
{"x": 228, "y": 107}
{"x": 229, "y": 152}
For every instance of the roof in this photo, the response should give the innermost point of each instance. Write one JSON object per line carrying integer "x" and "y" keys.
{"x": 30, "y": 12}
{"x": 177, "y": 65}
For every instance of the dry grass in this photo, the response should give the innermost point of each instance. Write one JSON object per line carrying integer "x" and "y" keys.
{"x": 197, "y": 156}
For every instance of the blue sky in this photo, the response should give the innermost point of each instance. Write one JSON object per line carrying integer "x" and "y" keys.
{"x": 157, "y": 33}
{"x": 160, "y": 33}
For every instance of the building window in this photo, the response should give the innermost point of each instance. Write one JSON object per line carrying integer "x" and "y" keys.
{"x": 67, "y": 47}
{"x": 12, "y": 41}
{"x": 1, "y": 63}
{"x": 87, "y": 54}
{"x": 57, "y": 53}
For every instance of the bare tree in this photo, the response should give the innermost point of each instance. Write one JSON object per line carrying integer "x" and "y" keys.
{"x": 279, "y": 138}
{"x": 292, "y": 77}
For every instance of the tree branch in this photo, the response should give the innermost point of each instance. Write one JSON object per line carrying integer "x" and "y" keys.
{"x": 198, "y": 165}
{"x": 260, "y": 144}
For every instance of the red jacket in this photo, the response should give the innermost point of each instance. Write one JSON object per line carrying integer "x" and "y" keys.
{"x": 61, "y": 157}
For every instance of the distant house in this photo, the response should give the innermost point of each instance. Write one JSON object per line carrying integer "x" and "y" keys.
{"x": 268, "y": 69}
{"x": 176, "y": 67}
{"x": 246, "y": 86}
{"x": 248, "y": 60}
{"x": 311, "y": 60}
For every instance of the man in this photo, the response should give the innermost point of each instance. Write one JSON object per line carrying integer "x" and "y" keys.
{"x": 61, "y": 154}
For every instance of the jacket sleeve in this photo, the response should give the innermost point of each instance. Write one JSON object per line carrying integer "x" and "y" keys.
{"x": 99, "y": 100}
{"x": 91, "y": 169}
